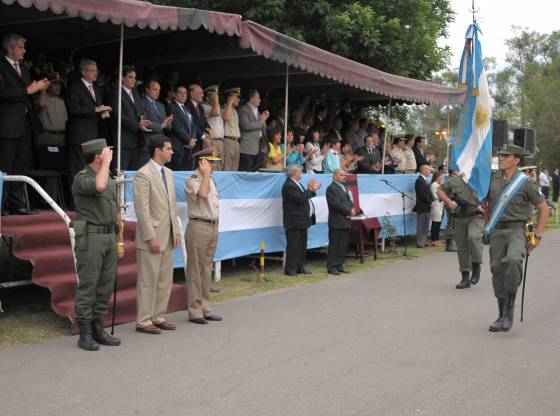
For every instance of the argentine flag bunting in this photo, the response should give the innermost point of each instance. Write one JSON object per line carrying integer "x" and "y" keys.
{"x": 471, "y": 149}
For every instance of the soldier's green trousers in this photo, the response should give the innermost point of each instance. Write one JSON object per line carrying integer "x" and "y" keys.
{"x": 507, "y": 252}
{"x": 468, "y": 237}
{"x": 96, "y": 265}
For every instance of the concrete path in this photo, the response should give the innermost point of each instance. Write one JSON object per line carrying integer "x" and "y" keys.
{"x": 399, "y": 340}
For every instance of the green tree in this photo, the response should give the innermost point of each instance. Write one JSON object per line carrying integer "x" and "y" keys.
{"x": 397, "y": 36}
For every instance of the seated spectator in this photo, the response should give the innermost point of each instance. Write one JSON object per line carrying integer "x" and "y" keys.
{"x": 397, "y": 153}
{"x": 316, "y": 156}
{"x": 298, "y": 157}
{"x": 371, "y": 162}
{"x": 275, "y": 156}
{"x": 388, "y": 161}
{"x": 331, "y": 162}
{"x": 410, "y": 159}
{"x": 350, "y": 160}
{"x": 52, "y": 113}
{"x": 437, "y": 208}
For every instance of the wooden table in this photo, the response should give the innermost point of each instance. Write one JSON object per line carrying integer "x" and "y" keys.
{"x": 363, "y": 230}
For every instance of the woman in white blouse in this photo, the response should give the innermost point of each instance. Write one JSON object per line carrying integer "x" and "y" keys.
{"x": 313, "y": 148}
{"x": 437, "y": 208}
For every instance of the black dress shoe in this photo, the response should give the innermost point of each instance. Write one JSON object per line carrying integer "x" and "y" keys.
{"x": 290, "y": 274}
{"x": 200, "y": 321}
{"x": 304, "y": 271}
{"x": 343, "y": 270}
{"x": 335, "y": 272}
{"x": 24, "y": 211}
{"x": 215, "y": 318}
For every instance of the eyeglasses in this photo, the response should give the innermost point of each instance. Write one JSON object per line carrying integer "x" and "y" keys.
{"x": 502, "y": 156}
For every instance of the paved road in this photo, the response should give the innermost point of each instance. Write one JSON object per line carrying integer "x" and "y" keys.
{"x": 399, "y": 340}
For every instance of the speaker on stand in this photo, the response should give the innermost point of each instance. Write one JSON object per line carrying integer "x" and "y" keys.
{"x": 499, "y": 134}
{"x": 527, "y": 139}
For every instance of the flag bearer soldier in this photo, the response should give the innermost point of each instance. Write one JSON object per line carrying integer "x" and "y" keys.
{"x": 467, "y": 212}
{"x": 96, "y": 228}
{"x": 201, "y": 237}
{"x": 510, "y": 198}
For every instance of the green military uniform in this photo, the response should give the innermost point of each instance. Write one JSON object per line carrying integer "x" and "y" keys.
{"x": 468, "y": 229}
{"x": 95, "y": 229}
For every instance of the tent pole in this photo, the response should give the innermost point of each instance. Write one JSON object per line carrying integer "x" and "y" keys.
{"x": 286, "y": 115}
{"x": 386, "y": 137}
{"x": 447, "y": 138}
{"x": 119, "y": 105}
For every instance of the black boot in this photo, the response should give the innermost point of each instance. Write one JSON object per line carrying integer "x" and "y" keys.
{"x": 450, "y": 245}
{"x": 465, "y": 282}
{"x": 497, "y": 324}
{"x": 475, "y": 276}
{"x": 85, "y": 341}
{"x": 102, "y": 337}
{"x": 509, "y": 306}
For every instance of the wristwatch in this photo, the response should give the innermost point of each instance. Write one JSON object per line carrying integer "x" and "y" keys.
{"x": 539, "y": 236}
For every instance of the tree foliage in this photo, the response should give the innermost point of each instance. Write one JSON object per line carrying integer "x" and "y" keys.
{"x": 397, "y": 36}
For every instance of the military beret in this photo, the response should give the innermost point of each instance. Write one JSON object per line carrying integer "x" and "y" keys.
{"x": 94, "y": 146}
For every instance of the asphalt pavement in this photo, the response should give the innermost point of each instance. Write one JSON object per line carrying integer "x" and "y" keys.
{"x": 398, "y": 340}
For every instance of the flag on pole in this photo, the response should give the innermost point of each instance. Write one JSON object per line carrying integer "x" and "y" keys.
{"x": 471, "y": 148}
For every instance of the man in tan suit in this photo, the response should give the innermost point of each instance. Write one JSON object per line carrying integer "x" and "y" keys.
{"x": 157, "y": 233}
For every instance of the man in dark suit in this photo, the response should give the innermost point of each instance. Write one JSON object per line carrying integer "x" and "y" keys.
{"x": 18, "y": 120}
{"x": 156, "y": 113}
{"x": 341, "y": 208}
{"x": 419, "y": 145}
{"x": 297, "y": 219}
{"x": 183, "y": 132}
{"x": 85, "y": 111}
{"x": 193, "y": 104}
{"x": 133, "y": 124}
{"x": 371, "y": 162}
{"x": 424, "y": 203}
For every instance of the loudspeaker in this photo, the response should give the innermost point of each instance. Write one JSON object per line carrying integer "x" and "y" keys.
{"x": 499, "y": 134}
{"x": 526, "y": 138}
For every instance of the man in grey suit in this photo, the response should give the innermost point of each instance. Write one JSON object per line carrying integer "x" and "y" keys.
{"x": 341, "y": 208}
{"x": 157, "y": 233}
{"x": 253, "y": 133}
{"x": 155, "y": 112}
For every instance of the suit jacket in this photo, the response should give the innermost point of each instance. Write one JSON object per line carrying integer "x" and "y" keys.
{"x": 16, "y": 108}
{"x": 424, "y": 197}
{"x": 295, "y": 206}
{"x": 155, "y": 207}
{"x": 83, "y": 121}
{"x": 183, "y": 128}
{"x": 131, "y": 135}
{"x": 253, "y": 132}
{"x": 199, "y": 120}
{"x": 340, "y": 207}
{"x": 156, "y": 113}
{"x": 369, "y": 160}
{"x": 420, "y": 158}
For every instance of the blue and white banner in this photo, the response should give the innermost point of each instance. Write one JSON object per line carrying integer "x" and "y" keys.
{"x": 471, "y": 149}
{"x": 251, "y": 209}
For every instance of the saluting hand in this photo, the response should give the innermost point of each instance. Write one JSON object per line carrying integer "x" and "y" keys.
{"x": 204, "y": 167}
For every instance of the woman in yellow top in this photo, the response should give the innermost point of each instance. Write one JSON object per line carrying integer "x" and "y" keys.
{"x": 275, "y": 160}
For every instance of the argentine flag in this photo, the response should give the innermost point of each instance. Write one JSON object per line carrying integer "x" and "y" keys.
{"x": 471, "y": 149}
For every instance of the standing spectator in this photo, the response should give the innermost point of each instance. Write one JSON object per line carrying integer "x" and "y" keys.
{"x": 156, "y": 113}
{"x": 363, "y": 130}
{"x": 133, "y": 124}
{"x": 555, "y": 185}
{"x": 193, "y": 104}
{"x": 351, "y": 135}
{"x": 183, "y": 132}
{"x": 389, "y": 164}
{"x": 423, "y": 207}
{"x": 253, "y": 130}
{"x": 213, "y": 114}
{"x": 296, "y": 211}
{"x": 232, "y": 133}
{"x": 372, "y": 159}
{"x": 419, "y": 146}
{"x": 341, "y": 209}
{"x": 157, "y": 233}
{"x": 347, "y": 116}
{"x": 18, "y": 120}
{"x": 331, "y": 161}
{"x": 544, "y": 180}
{"x": 398, "y": 155}
{"x": 337, "y": 130}
{"x": 313, "y": 149}
{"x": 437, "y": 208}
{"x": 275, "y": 156}
{"x": 320, "y": 122}
{"x": 410, "y": 159}
{"x": 84, "y": 101}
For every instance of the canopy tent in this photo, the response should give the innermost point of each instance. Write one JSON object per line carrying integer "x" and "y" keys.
{"x": 192, "y": 41}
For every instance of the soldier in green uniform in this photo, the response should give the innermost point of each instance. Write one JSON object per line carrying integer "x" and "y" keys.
{"x": 510, "y": 200}
{"x": 450, "y": 227}
{"x": 95, "y": 228}
{"x": 462, "y": 202}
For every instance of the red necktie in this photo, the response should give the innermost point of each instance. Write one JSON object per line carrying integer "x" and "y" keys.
{"x": 18, "y": 69}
